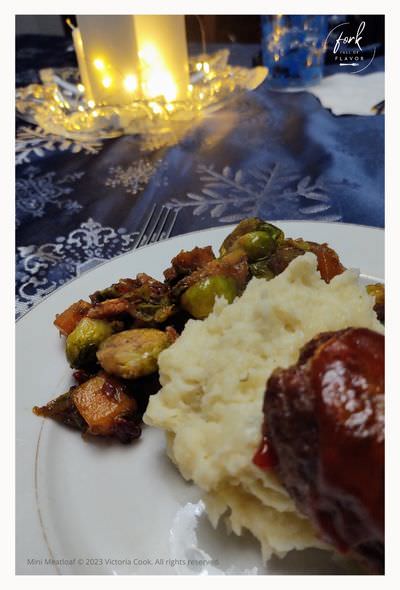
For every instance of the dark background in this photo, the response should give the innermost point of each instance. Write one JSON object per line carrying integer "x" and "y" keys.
{"x": 222, "y": 28}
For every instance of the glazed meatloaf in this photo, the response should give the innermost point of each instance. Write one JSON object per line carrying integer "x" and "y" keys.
{"x": 324, "y": 435}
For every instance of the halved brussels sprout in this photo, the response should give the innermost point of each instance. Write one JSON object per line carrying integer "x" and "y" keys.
{"x": 199, "y": 299}
{"x": 82, "y": 343}
{"x": 133, "y": 353}
{"x": 257, "y": 244}
{"x": 248, "y": 237}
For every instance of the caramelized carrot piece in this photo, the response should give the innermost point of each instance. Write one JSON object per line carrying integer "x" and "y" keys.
{"x": 329, "y": 264}
{"x": 101, "y": 401}
{"x": 67, "y": 321}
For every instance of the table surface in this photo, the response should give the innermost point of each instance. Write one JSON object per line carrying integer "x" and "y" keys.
{"x": 268, "y": 154}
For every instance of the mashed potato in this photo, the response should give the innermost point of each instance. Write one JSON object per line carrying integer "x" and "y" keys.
{"x": 213, "y": 381}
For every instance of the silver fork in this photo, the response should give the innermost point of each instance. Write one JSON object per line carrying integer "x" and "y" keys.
{"x": 158, "y": 225}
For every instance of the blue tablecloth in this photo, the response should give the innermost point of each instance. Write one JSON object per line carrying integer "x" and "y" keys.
{"x": 274, "y": 155}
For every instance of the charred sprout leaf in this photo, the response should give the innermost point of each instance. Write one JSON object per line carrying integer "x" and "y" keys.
{"x": 63, "y": 410}
{"x": 251, "y": 225}
{"x": 109, "y": 309}
{"x": 133, "y": 353}
{"x": 83, "y": 342}
{"x": 282, "y": 257}
{"x": 147, "y": 313}
{"x": 377, "y": 291}
{"x": 187, "y": 262}
{"x": 126, "y": 428}
{"x": 199, "y": 299}
{"x": 144, "y": 299}
{"x": 142, "y": 388}
{"x": 150, "y": 302}
{"x": 116, "y": 290}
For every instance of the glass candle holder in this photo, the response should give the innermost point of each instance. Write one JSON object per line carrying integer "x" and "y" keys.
{"x": 293, "y": 49}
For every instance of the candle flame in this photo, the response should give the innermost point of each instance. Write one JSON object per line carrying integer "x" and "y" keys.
{"x": 98, "y": 64}
{"x": 130, "y": 83}
{"x": 155, "y": 108}
{"x": 156, "y": 79}
{"x": 160, "y": 83}
{"x": 106, "y": 81}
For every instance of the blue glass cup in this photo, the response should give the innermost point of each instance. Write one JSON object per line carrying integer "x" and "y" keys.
{"x": 293, "y": 49}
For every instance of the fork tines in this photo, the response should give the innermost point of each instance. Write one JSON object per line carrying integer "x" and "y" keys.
{"x": 158, "y": 225}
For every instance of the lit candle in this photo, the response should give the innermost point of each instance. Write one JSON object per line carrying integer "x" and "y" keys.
{"x": 111, "y": 58}
{"x": 80, "y": 57}
{"x": 163, "y": 55}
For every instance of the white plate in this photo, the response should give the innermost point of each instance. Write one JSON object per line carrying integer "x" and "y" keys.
{"x": 115, "y": 509}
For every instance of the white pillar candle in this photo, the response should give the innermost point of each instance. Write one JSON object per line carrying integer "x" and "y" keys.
{"x": 80, "y": 57}
{"x": 110, "y": 49}
{"x": 163, "y": 55}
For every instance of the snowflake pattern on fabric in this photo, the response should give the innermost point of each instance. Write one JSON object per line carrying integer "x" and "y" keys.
{"x": 229, "y": 195}
{"x": 136, "y": 176}
{"x": 36, "y": 192}
{"x": 42, "y": 269}
{"x": 34, "y": 141}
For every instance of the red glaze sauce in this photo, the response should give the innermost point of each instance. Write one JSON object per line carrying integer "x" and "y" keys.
{"x": 265, "y": 457}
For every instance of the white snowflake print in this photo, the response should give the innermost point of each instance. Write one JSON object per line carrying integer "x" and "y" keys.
{"x": 273, "y": 192}
{"x": 35, "y": 192}
{"x": 41, "y": 269}
{"x": 134, "y": 177}
{"x": 34, "y": 141}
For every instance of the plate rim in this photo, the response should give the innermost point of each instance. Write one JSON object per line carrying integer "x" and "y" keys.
{"x": 231, "y": 225}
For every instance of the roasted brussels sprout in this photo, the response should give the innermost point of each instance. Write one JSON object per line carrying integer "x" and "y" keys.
{"x": 261, "y": 270}
{"x": 82, "y": 343}
{"x": 199, "y": 299}
{"x": 256, "y": 246}
{"x": 377, "y": 291}
{"x": 133, "y": 353}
